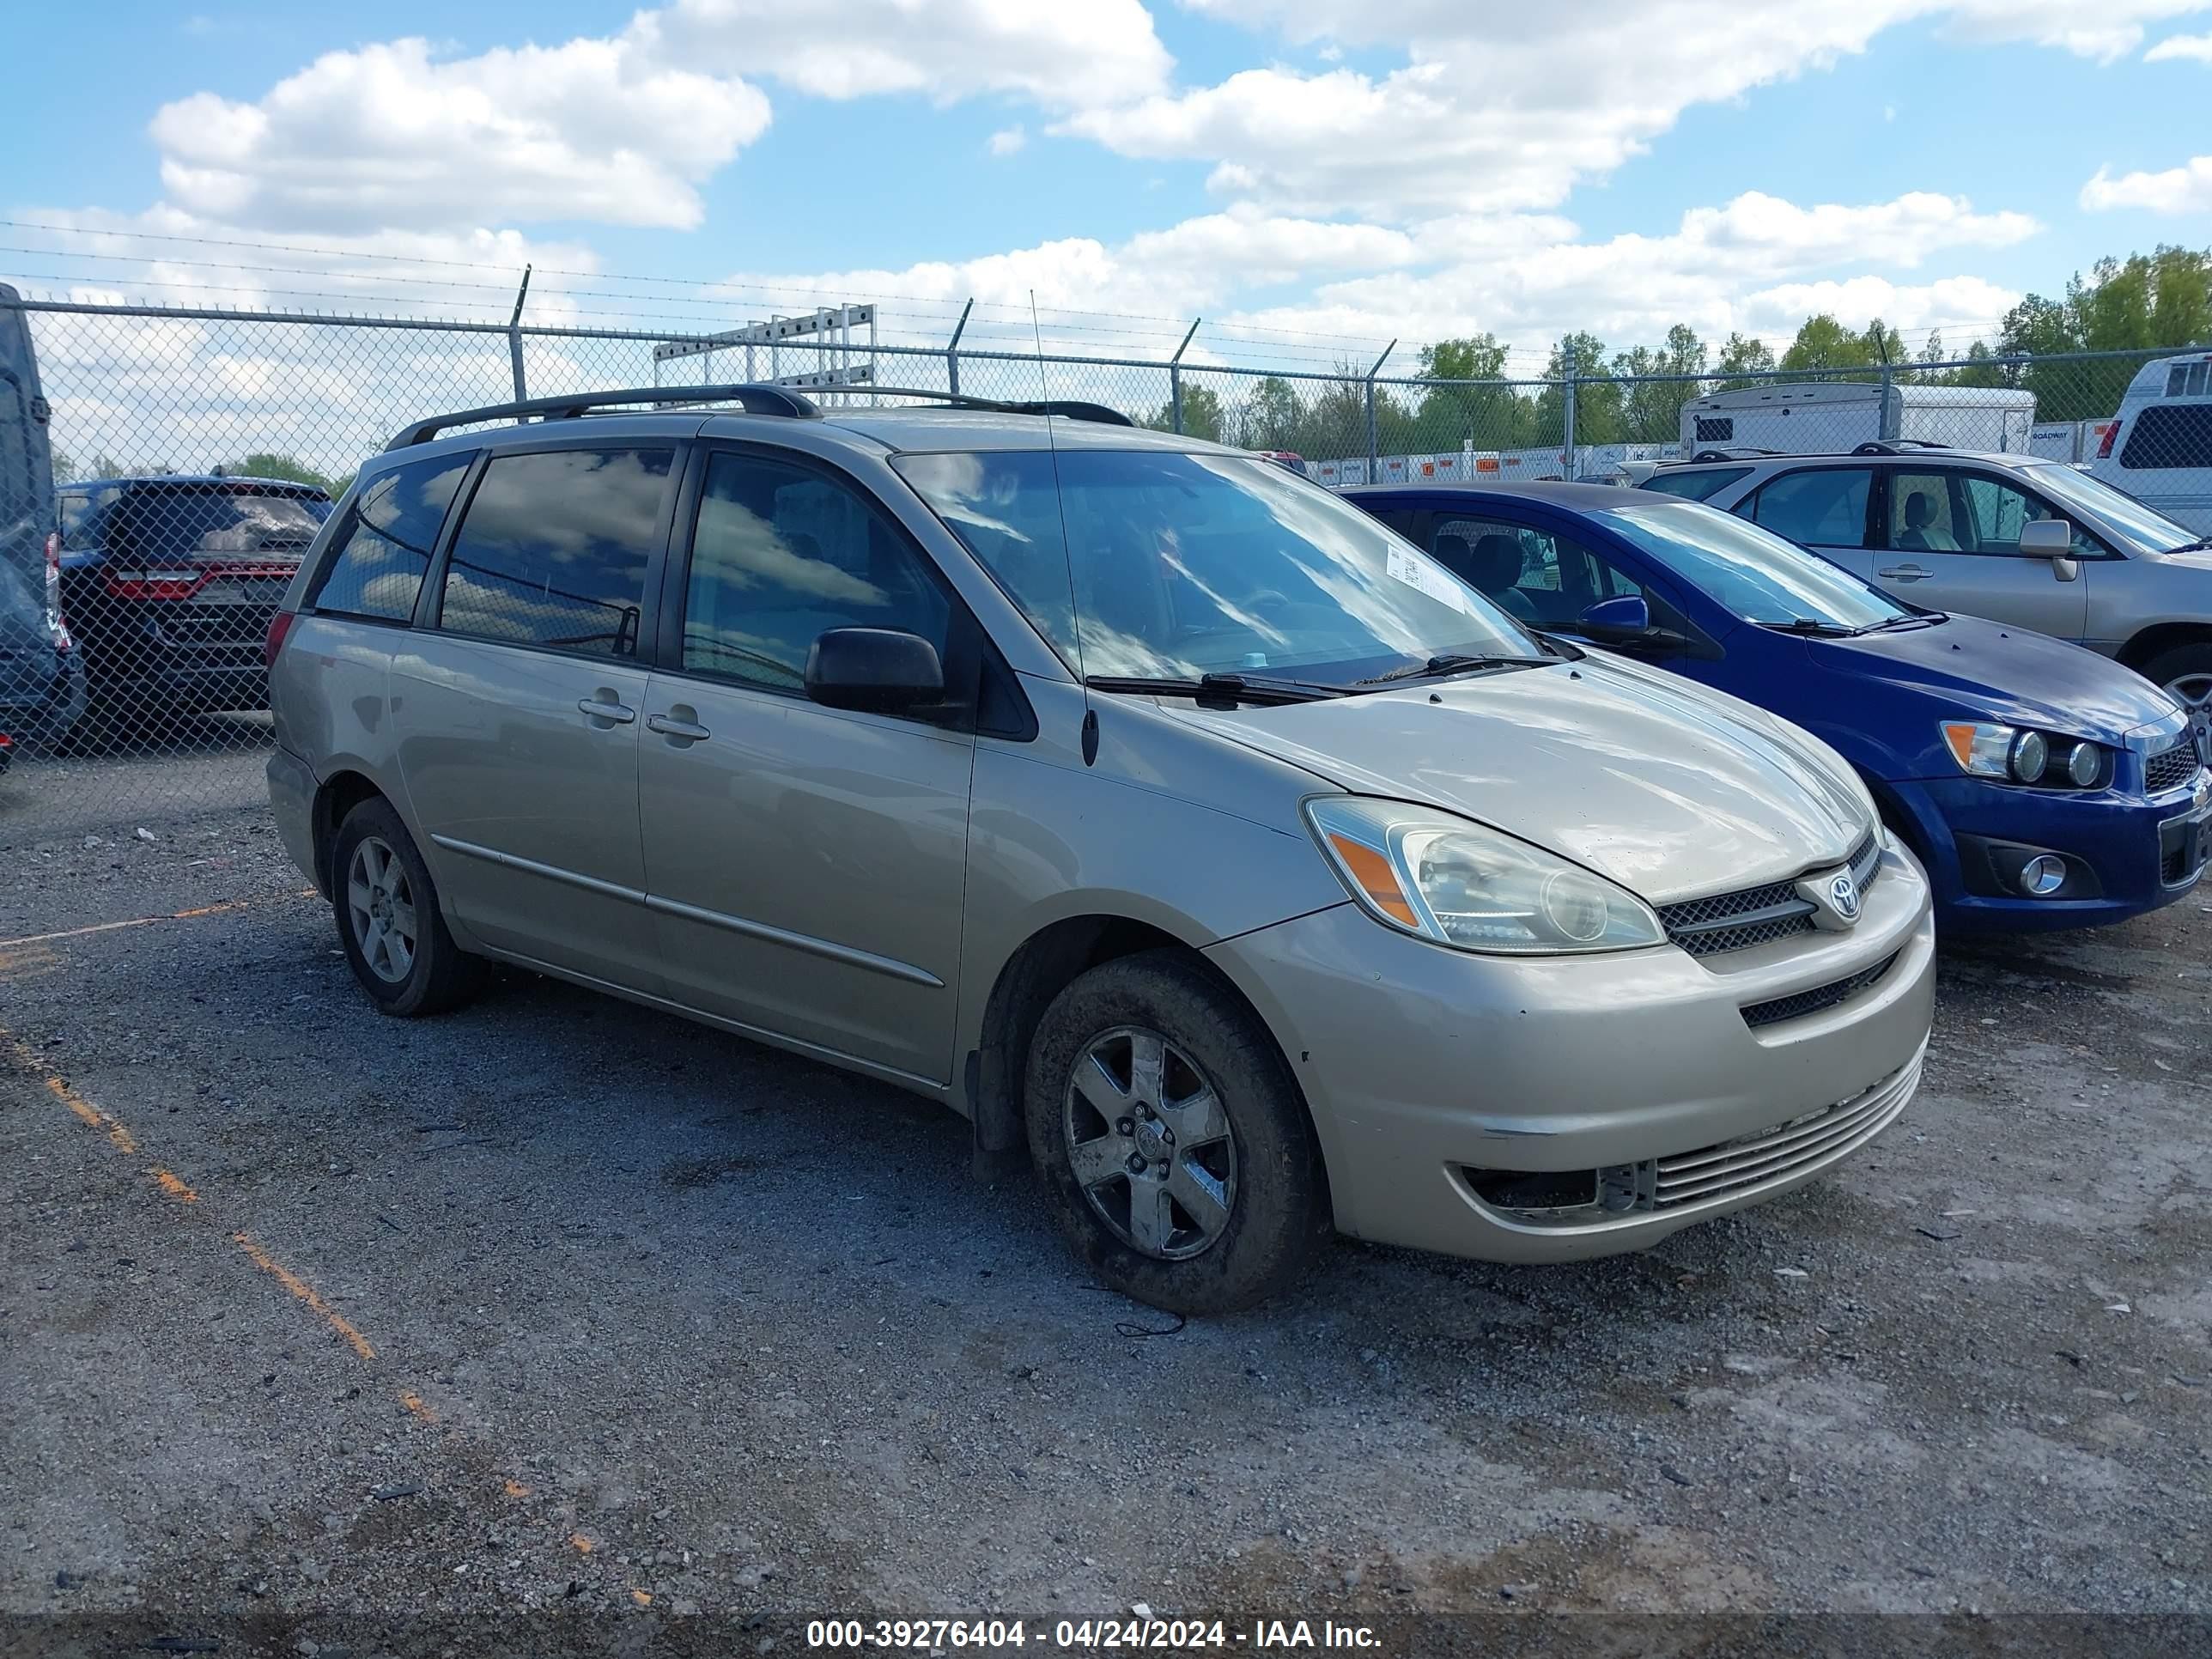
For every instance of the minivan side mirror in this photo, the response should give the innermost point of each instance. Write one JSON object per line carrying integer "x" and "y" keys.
{"x": 881, "y": 670}
{"x": 1616, "y": 621}
{"x": 2047, "y": 538}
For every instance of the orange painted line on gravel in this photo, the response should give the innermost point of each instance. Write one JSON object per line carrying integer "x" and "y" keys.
{"x": 175, "y": 1188}
{"x": 305, "y": 1292}
{"x": 226, "y": 905}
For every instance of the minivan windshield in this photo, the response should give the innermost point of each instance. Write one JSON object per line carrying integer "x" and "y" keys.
{"x": 1156, "y": 563}
{"x": 1751, "y": 572}
{"x": 2150, "y": 529}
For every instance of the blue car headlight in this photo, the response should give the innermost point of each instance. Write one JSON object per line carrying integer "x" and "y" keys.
{"x": 2016, "y": 754}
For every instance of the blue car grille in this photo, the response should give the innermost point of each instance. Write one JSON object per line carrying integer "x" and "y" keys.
{"x": 2172, "y": 767}
{"x": 1755, "y": 915}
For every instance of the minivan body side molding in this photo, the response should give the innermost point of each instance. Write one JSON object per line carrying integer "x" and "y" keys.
{"x": 551, "y": 871}
{"x": 820, "y": 947}
{"x": 807, "y": 942}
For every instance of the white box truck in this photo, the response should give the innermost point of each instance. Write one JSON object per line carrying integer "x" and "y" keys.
{"x": 1823, "y": 418}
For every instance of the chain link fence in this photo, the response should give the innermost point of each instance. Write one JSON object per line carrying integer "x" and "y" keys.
{"x": 195, "y": 453}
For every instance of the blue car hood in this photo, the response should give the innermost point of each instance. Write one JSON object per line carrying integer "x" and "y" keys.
{"x": 1980, "y": 669}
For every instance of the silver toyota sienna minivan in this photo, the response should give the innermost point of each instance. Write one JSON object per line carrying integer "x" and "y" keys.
{"x": 1145, "y": 803}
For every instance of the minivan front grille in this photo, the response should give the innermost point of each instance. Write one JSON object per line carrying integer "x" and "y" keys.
{"x": 1756, "y": 915}
{"x": 1819, "y": 999}
{"x": 2171, "y": 768}
{"x": 1705, "y": 1177}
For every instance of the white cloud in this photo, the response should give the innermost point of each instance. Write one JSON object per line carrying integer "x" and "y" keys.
{"x": 619, "y": 130}
{"x": 2178, "y": 47}
{"x": 1008, "y": 141}
{"x": 1505, "y": 108}
{"x": 1101, "y": 51}
{"x": 392, "y": 137}
{"x": 2184, "y": 189}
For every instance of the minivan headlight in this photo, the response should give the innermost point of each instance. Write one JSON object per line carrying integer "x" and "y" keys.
{"x": 1461, "y": 884}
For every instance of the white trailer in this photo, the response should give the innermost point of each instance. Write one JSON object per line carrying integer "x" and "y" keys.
{"x": 1821, "y": 417}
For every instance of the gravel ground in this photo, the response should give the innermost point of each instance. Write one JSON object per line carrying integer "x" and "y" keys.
{"x": 308, "y": 1316}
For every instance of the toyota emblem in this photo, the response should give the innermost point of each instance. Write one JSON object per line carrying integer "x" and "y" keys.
{"x": 1844, "y": 896}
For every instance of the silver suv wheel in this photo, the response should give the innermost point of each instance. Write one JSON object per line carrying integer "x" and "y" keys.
{"x": 1150, "y": 1144}
{"x": 2194, "y": 692}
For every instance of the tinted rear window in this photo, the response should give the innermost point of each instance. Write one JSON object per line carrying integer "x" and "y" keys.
{"x": 384, "y": 547}
{"x": 552, "y": 550}
{"x": 210, "y": 521}
{"x": 1696, "y": 486}
{"x": 2169, "y": 435}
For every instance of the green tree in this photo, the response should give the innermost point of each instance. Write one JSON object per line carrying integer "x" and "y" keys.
{"x": 1597, "y": 399}
{"x": 1271, "y": 417}
{"x": 1742, "y": 356}
{"x": 262, "y": 464}
{"x": 2145, "y": 302}
{"x": 1475, "y": 405}
{"x": 1202, "y": 416}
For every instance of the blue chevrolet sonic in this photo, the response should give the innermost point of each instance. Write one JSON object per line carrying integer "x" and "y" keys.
{"x": 2042, "y": 785}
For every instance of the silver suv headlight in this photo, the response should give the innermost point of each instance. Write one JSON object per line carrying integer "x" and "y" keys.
{"x": 1461, "y": 884}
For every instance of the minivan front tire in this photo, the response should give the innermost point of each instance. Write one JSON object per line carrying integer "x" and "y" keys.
{"x": 396, "y": 940}
{"x": 1169, "y": 1140}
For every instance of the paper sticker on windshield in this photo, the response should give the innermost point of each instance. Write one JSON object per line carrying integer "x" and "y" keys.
{"x": 1404, "y": 565}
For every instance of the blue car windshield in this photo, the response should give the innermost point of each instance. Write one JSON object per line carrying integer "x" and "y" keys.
{"x": 1148, "y": 562}
{"x": 1750, "y": 572}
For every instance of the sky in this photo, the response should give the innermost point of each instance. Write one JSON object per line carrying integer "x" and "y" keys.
{"x": 1313, "y": 178}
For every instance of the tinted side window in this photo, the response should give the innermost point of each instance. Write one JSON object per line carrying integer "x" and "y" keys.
{"x": 1538, "y": 577}
{"x": 1716, "y": 429}
{"x": 14, "y": 451}
{"x": 382, "y": 549}
{"x": 2170, "y": 435}
{"x": 552, "y": 550}
{"x": 780, "y": 555}
{"x": 1695, "y": 486}
{"x": 1827, "y": 506}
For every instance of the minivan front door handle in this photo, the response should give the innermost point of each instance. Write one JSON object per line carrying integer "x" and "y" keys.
{"x": 677, "y": 726}
{"x": 605, "y": 710}
{"x": 1904, "y": 573}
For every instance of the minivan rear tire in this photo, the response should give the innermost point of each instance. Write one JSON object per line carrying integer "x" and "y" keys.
{"x": 1267, "y": 1160}
{"x": 438, "y": 975}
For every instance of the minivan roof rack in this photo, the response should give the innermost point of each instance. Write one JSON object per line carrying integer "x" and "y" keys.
{"x": 1898, "y": 446}
{"x": 1067, "y": 409}
{"x": 753, "y": 400}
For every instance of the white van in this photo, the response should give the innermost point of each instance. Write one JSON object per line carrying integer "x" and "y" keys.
{"x": 2159, "y": 448}
{"x": 1824, "y": 417}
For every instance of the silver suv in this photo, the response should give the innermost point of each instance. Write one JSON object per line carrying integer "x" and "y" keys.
{"x": 1157, "y": 810}
{"x": 2034, "y": 543}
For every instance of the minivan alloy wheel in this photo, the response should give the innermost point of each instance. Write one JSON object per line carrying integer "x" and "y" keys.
{"x": 1150, "y": 1144}
{"x": 380, "y": 905}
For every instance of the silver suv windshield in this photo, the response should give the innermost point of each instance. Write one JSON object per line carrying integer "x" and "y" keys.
{"x": 1751, "y": 572}
{"x": 1153, "y": 563}
{"x": 2147, "y": 529}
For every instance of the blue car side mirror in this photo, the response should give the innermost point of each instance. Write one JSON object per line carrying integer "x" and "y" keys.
{"x": 1626, "y": 617}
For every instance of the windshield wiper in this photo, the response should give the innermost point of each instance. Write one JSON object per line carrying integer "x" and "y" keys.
{"x": 1917, "y": 619}
{"x": 1215, "y": 688}
{"x": 1808, "y": 625}
{"x": 1456, "y": 662}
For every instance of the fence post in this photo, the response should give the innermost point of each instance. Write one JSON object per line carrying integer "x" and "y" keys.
{"x": 952, "y": 350}
{"x": 1568, "y": 469}
{"x": 1887, "y": 428}
{"x": 1175, "y": 376}
{"x": 515, "y": 339}
{"x": 1374, "y": 439}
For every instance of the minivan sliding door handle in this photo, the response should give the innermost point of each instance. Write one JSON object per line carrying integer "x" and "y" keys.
{"x": 676, "y": 728}
{"x": 606, "y": 711}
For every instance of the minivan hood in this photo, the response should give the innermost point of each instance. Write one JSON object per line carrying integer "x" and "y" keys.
{"x": 1979, "y": 668}
{"x": 1668, "y": 788}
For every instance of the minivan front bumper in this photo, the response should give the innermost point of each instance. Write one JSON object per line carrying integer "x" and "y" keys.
{"x": 1435, "y": 1075}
